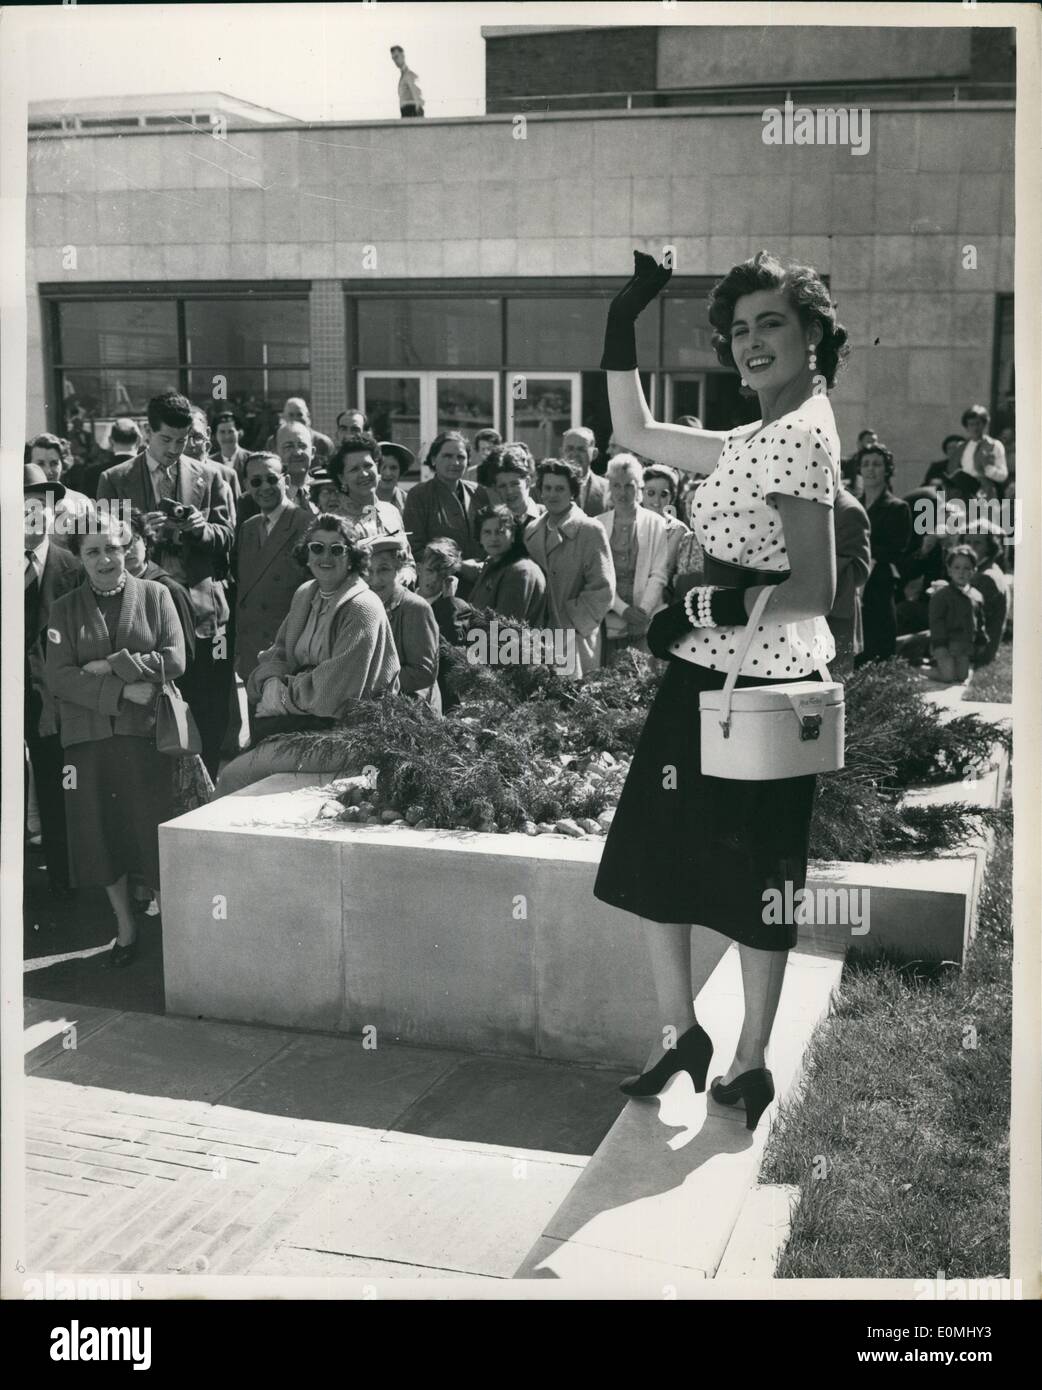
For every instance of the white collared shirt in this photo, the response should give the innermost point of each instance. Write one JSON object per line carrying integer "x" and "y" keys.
{"x": 39, "y": 557}
{"x": 997, "y": 470}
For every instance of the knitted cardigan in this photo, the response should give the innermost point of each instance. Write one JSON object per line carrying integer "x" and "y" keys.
{"x": 359, "y": 663}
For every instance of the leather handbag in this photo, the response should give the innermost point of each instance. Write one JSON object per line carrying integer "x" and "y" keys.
{"x": 176, "y": 729}
{"x": 766, "y": 732}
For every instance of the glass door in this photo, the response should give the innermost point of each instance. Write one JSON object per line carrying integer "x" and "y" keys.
{"x": 685, "y": 395}
{"x": 410, "y": 408}
{"x": 541, "y": 407}
{"x": 393, "y": 403}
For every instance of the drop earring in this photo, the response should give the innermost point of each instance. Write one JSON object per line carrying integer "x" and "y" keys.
{"x": 812, "y": 360}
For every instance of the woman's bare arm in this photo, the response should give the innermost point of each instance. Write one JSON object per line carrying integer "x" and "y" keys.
{"x": 634, "y": 427}
{"x": 810, "y": 545}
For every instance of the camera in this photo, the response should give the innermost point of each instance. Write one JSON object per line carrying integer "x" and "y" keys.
{"x": 175, "y": 510}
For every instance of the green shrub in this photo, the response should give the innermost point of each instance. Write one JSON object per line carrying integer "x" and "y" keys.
{"x": 526, "y": 745}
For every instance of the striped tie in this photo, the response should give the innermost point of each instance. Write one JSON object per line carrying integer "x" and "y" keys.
{"x": 167, "y": 479}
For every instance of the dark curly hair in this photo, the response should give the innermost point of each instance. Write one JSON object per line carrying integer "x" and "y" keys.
{"x": 358, "y": 556}
{"x": 502, "y": 513}
{"x": 881, "y": 451}
{"x": 805, "y": 291}
{"x": 357, "y": 444}
{"x": 113, "y": 521}
{"x": 560, "y": 468}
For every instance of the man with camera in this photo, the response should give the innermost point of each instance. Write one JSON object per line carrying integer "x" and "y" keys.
{"x": 193, "y": 506}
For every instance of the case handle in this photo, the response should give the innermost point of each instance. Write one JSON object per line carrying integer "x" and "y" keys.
{"x": 740, "y": 655}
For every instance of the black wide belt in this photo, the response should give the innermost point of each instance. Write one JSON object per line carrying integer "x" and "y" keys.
{"x": 731, "y": 576}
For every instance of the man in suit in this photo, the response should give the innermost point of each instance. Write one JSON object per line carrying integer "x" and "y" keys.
{"x": 853, "y": 532}
{"x": 267, "y": 575}
{"x": 579, "y": 449}
{"x": 50, "y": 572}
{"x": 193, "y": 506}
{"x": 295, "y": 447}
{"x": 124, "y": 443}
{"x": 227, "y": 446}
{"x": 197, "y": 446}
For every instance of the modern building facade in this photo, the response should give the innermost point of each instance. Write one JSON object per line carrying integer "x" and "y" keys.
{"x": 456, "y": 272}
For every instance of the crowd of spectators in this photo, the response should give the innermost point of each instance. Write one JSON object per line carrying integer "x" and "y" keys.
{"x": 290, "y": 581}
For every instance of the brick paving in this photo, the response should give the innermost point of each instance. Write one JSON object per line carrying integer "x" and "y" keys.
{"x": 118, "y": 1183}
{"x": 121, "y": 1181}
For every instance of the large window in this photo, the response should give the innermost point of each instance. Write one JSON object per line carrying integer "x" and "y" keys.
{"x": 110, "y": 353}
{"x": 428, "y": 332}
{"x": 417, "y": 350}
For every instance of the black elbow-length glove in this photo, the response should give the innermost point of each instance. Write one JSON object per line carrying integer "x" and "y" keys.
{"x": 620, "y": 334}
{"x": 727, "y": 609}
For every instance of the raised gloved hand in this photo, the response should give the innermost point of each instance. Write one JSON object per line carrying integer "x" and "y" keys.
{"x": 620, "y": 337}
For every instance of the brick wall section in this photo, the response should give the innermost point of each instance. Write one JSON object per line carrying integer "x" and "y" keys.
{"x": 328, "y": 355}
{"x": 595, "y": 60}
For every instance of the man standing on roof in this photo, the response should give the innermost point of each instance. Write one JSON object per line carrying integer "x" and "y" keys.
{"x": 410, "y": 98}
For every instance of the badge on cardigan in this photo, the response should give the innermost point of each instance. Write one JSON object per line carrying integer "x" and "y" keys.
{"x": 53, "y": 635}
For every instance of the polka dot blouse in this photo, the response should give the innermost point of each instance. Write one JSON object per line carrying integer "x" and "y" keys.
{"x": 736, "y": 520}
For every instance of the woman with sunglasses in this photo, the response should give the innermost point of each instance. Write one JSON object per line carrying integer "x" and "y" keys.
{"x": 333, "y": 647}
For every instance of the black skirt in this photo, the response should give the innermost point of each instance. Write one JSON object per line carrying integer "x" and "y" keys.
{"x": 703, "y": 850}
{"x": 124, "y": 790}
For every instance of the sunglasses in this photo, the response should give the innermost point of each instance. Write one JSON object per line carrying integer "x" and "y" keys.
{"x": 337, "y": 550}
{"x": 268, "y": 478}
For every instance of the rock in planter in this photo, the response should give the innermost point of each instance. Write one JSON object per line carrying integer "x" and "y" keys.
{"x": 605, "y": 818}
{"x": 530, "y": 827}
{"x": 389, "y": 817}
{"x": 590, "y": 826}
{"x": 568, "y": 827}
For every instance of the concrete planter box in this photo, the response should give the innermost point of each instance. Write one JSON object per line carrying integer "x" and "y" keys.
{"x": 492, "y": 943}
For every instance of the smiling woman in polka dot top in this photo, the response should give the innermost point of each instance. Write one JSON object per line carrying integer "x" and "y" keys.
{"x": 693, "y": 854}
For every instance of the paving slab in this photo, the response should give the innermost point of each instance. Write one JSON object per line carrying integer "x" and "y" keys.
{"x": 178, "y": 1058}
{"x": 599, "y": 1273}
{"x": 760, "y": 1233}
{"x": 532, "y": 1105}
{"x": 431, "y": 1203}
{"x": 672, "y": 1177}
{"x": 296, "y": 1262}
{"x": 341, "y": 1081}
{"x": 53, "y": 1028}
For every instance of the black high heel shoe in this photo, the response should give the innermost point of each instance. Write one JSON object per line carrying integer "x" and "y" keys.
{"x": 754, "y": 1088}
{"x": 691, "y": 1054}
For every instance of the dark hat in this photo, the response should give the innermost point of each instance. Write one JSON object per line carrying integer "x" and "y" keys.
{"x": 35, "y": 480}
{"x": 405, "y": 456}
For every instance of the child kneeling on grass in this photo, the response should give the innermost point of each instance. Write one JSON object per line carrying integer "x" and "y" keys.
{"x": 957, "y": 631}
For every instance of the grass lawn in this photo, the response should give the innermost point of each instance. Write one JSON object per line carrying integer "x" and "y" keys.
{"x": 906, "y": 1099}
{"x": 994, "y": 682}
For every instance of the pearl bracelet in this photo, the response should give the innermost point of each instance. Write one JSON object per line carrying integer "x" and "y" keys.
{"x": 698, "y": 605}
